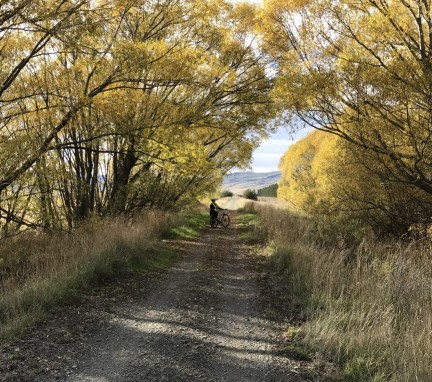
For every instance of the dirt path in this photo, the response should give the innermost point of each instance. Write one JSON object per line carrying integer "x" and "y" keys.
{"x": 201, "y": 321}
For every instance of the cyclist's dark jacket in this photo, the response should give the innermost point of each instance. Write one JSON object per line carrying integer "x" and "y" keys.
{"x": 214, "y": 209}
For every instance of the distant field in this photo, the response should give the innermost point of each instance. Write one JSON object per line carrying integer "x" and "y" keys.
{"x": 237, "y": 202}
{"x": 274, "y": 202}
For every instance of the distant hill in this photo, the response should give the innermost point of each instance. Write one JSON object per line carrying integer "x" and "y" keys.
{"x": 238, "y": 182}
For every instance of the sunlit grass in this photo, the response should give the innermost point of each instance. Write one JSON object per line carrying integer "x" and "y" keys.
{"x": 189, "y": 226}
{"x": 369, "y": 305}
{"x": 39, "y": 272}
{"x": 249, "y": 230}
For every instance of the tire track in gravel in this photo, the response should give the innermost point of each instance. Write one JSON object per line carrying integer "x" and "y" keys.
{"x": 200, "y": 322}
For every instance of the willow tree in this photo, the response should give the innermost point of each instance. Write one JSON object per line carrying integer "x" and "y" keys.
{"x": 30, "y": 30}
{"x": 130, "y": 105}
{"x": 360, "y": 70}
{"x": 338, "y": 184}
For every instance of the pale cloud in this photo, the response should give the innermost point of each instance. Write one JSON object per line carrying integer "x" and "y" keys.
{"x": 264, "y": 169}
{"x": 275, "y": 144}
{"x": 267, "y": 156}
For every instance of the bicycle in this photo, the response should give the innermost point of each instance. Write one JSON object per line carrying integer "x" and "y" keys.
{"x": 222, "y": 219}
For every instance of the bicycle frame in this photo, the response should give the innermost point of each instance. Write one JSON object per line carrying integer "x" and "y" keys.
{"x": 222, "y": 219}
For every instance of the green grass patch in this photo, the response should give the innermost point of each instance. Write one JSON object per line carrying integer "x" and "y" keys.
{"x": 297, "y": 352}
{"x": 360, "y": 369}
{"x": 253, "y": 236}
{"x": 20, "y": 324}
{"x": 159, "y": 258}
{"x": 285, "y": 261}
{"x": 190, "y": 227}
{"x": 296, "y": 348}
{"x": 246, "y": 218}
{"x": 250, "y": 230}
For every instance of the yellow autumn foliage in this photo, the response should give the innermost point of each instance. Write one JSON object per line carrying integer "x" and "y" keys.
{"x": 360, "y": 70}
{"x": 113, "y": 107}
{"x": 343, "y": 187}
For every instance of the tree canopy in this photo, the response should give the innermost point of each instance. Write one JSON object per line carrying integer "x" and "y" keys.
{"x": 360, "y": 70}
{"x": 112, "y": 107}
{"x": 108, "y": 108}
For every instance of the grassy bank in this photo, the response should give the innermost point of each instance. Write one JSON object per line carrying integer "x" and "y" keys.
{"x": 369, "y": 306}
{"x": 39, "y": 272}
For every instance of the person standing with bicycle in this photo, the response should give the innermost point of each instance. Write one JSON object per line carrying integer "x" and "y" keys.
{"x": 215, "y": 218}
{"x": 214, "y": 208}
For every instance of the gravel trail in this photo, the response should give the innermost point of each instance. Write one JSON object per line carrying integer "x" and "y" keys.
{"x": 201, "y": 321}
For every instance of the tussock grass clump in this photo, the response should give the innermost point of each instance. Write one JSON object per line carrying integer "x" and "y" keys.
{"x": 39, "y": 271}
{"x": 369, "y": 304}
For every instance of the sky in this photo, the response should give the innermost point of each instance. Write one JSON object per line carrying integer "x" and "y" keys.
{"x": 266, "y": 157}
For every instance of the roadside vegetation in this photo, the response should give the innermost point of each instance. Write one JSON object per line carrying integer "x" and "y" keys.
{"x": 249, "y": 229}
{"x": 227, "y": 194}
{"x": 359, "y": 257}
{"x": 39, "y": 272}
{"x": 250, "y": 194}
{"x": 269, "y": 191}
{"x": 101, "y": 119}
{"x": 368, "y": 305}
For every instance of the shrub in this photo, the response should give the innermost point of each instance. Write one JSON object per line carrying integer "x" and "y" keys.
{"x": 250, "y": 194}
{"x": 227, "y": 194}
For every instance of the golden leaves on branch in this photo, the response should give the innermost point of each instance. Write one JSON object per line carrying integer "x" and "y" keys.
{"x": 110, "y": 107}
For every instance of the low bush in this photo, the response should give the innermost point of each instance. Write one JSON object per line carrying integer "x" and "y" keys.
{"x": 250, "y": 194}
{"x": 227, "y": 194}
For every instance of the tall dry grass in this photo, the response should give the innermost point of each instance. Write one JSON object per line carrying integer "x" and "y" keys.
{"x": 40, "y": 271}
{"x": 370, "y": 305}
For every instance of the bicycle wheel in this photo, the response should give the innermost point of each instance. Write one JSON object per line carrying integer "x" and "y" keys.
{"x": 225, "y": 220}
{"x": 213, "y": 221}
